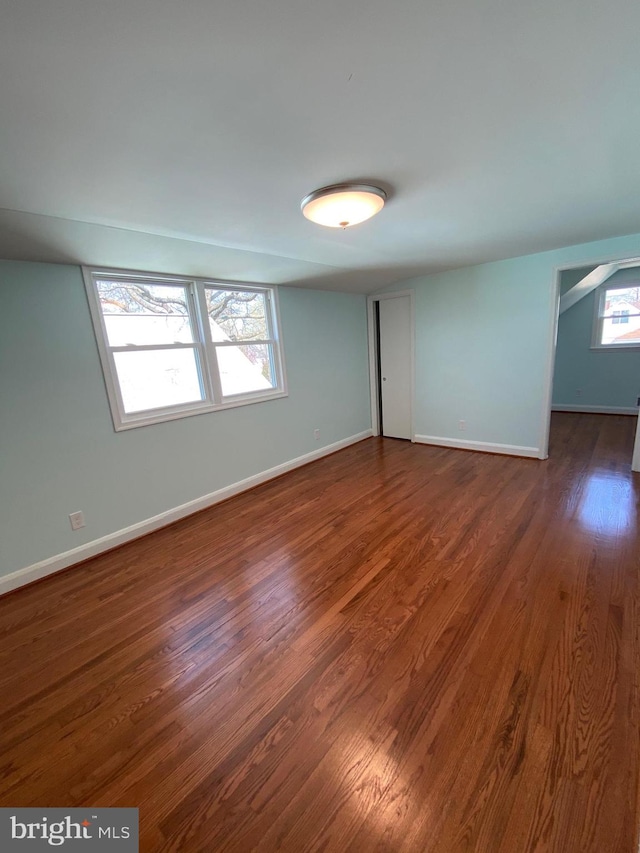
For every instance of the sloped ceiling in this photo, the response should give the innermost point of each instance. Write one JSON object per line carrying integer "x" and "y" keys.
{"x": 182, "y": 136}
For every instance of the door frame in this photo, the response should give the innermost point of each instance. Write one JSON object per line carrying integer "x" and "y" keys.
{"x": 374, "y": 356}
{"x": 554, "y": 318}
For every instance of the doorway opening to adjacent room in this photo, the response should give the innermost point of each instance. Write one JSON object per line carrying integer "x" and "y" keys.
{"x": 391, "y": 364}
{"x": 594, "y": 359}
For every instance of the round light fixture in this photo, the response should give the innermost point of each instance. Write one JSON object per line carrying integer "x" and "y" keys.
{"x": 342, "y": 205}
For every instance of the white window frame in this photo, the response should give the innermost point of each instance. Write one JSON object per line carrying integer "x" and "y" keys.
{"x": 598, "y": 320}
{"x": 213, "y": 399}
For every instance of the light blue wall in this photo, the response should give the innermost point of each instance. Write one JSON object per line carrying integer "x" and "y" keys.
{"x": 484, "y": 336}
{"x": 607, "y": 378}
{"x": 59, "y": 452}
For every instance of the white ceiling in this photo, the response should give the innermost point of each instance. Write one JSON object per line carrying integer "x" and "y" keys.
{"x": 181, "y": 136}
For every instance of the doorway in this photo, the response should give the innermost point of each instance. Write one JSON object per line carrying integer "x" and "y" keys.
{"x": 592, "y": 318}
{"x": 391, "y": 355}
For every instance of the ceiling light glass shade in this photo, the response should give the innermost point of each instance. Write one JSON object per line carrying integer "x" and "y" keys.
{"x": 342, "y": 205}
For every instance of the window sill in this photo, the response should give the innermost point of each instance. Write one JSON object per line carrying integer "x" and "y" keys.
{"x": 614, "y": 347}
{"x": 146, "y": 419}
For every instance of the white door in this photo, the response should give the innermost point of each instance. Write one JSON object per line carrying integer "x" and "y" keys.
{"x": 395, "y": 366}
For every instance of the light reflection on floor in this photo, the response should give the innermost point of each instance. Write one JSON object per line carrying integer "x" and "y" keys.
{"x": 609, "y": 504}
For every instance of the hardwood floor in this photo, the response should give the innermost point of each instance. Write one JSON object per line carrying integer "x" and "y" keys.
{"x": 397, "y": 648}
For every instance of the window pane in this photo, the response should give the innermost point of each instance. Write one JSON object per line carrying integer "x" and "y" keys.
{"x": 237, "y": 315}
{"x": 245, "y": 368}
{"x": 613, "y": 333}
{"x": 140, "y": 313}
{"x": 153, "y": 379}
{"x": 622, "y": 301}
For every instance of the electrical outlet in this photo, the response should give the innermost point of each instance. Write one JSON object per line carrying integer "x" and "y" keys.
{"x": 316, "y": 434}
{"x": 77, "y": 520}
{"x": 462, "y": 424}
{"x": 578, "y": 392}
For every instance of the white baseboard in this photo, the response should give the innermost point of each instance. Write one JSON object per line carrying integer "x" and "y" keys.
{"x": 595, "y": 410}
{"x": 482, "y": 446}
{"x": 105, "y": 543}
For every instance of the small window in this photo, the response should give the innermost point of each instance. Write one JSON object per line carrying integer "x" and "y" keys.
{"x": 621, "y": 316}
{"x": 617, "y": 318}
{"x": 172, "y": 347}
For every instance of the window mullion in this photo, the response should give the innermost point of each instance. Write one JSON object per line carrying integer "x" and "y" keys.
{"x": 198, "y": 342}
{"x": 213, "y": 372}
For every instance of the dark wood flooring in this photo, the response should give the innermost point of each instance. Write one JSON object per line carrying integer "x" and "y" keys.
{"x": 396, "y": 648}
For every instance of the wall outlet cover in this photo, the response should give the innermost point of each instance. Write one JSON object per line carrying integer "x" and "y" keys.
{"x": 77, "y": 520}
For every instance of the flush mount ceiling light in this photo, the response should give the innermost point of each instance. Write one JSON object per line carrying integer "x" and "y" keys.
{"x": 342, "y": 205}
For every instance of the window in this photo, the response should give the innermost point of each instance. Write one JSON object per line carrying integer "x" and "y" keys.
{"x": 617, "y": 319}
{"x": 172, "y": 347}
{"x": 620, "y": 317}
